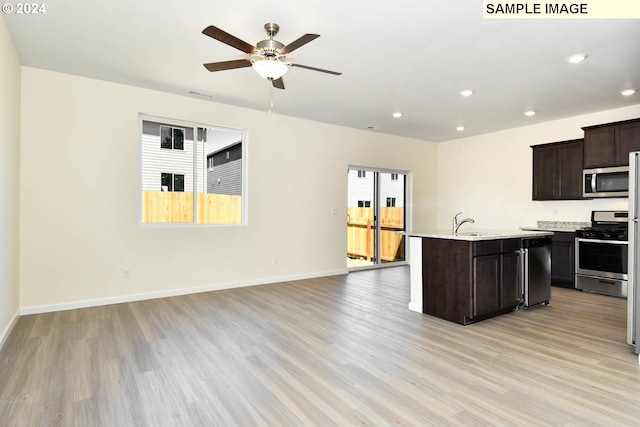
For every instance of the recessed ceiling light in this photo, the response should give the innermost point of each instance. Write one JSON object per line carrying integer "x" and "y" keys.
{"x": 397, "y": 114}
{"x": 460, "y": 128}
{"x": 466, "y": 92}
{"x": 574, "y": 59}
{"x": 628, "y": 92}
{"x": 529, "y": 113}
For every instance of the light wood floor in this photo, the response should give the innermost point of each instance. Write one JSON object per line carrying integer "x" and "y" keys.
{"x": 342, "y": 351}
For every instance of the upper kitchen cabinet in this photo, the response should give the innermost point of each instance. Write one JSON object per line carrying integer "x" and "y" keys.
{"x": 557, "y": 170}
{"x": 609, "y": 144}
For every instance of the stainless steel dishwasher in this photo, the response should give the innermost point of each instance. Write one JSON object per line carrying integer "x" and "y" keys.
{"x": 536, "y": 271}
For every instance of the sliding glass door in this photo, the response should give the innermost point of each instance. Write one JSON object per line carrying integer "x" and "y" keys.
{"x": 375, "y": 215}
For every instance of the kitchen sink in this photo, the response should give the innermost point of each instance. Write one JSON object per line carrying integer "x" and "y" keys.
{"x": 472, "y": 233}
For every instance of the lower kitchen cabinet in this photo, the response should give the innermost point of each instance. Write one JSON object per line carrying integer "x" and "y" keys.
{"x": 486, "y": 285}
{"x": 481, "y": 278}
{"x": 563, "y": 267}
{"x": 496, "y": 282}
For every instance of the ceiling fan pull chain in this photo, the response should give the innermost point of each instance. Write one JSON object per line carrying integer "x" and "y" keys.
{"x": 270, "y": 99}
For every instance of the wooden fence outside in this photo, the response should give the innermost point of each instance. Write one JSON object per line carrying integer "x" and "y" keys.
{"x": 177, "y": 207}
{"x": 360, "y": 234}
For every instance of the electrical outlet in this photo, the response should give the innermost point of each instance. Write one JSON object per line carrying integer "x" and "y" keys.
{"x": 275, "y": 260}
{"x": 126, "y": 273}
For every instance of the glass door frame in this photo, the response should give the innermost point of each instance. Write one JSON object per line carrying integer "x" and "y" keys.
{"x": 377, "y": 225}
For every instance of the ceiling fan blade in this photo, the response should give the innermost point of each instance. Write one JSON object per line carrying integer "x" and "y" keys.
{"x": 278, "y": 83}
{"x": 227, "y": 65}
{"x": 224, "y": 37}
{"x": 335, "y": 73}
{"x": 298, "y": 43}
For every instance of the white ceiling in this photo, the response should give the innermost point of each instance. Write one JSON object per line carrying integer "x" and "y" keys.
{"x": 412, "y": 56}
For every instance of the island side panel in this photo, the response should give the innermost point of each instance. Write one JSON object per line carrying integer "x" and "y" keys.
{"x": 415, "y": 269}
{"x": 446, "y": 279}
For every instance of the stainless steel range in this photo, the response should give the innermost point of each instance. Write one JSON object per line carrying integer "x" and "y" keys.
{"x": 602, "y": 254}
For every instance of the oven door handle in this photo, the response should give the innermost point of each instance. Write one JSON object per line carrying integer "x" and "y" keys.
{"x": 614, "y": 242}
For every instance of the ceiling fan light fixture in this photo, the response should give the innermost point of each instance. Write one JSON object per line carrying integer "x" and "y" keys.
{"x": 270, "y": 69}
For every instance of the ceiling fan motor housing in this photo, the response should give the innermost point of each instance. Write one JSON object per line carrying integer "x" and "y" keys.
{"x": 271, "y": 29}
{"x": 269, "y": 47}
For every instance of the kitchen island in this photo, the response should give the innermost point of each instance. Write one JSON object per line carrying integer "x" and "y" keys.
{"x": 468, "y": 276}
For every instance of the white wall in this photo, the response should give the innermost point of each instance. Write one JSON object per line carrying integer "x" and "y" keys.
{"x": 489, "y": 177}
{"x": 78, "y": 234}
{"x": 9, "y": 196}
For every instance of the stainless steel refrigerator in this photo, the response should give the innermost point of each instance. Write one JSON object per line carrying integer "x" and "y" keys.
{"x": 633, "y": 297}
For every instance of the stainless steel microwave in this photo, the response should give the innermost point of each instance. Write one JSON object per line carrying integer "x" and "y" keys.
{"x": 606, "y": 182}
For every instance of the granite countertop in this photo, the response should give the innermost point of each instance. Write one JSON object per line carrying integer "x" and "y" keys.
{"x": 565, "y": 226}
{"x": 477, "y": 234}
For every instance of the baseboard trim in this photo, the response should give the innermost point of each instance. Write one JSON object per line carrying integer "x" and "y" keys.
{"x": 9, "y": 328}
{"x": 171, "y": 293}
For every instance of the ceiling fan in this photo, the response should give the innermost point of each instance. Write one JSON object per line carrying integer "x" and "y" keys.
{"x": 267, "y": 57}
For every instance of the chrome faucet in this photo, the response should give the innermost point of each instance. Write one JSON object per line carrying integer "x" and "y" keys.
{"x": 456, "y": 224}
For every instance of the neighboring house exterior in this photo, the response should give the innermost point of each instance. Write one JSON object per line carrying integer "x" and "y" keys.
{"x": 168, "y": 157}
{"x": 224, "y": 170}
{"x": 361, "y": 189}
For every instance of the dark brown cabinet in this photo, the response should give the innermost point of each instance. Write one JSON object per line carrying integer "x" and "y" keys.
{"x": 545, "y": 172}
{"x": 557, "y": 170}
{"x": 486, "y": 285}
{"x": 610, "y": 144}
{"x": 465, "y": 281}
{"x": 563, "y": 267}
{"x": 496, "y": 283}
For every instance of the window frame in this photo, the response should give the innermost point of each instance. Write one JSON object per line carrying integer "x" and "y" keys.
{"x": 184, "y": 125}
{"x": 172, "y": 132}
